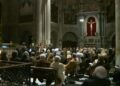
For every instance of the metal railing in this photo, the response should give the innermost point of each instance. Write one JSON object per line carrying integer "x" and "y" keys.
{"x": 14, "y": 73}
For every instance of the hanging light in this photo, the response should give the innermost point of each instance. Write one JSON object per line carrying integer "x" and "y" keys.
{"x": 81, "y": 19}
{"x": 81, "y": 11}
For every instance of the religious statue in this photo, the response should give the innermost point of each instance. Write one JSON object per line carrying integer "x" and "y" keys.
{"x": 91, "y": 27}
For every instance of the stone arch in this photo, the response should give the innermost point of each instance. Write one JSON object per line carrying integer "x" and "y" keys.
{"x": 69, "y": 40}
{"x": 54, "y": 38}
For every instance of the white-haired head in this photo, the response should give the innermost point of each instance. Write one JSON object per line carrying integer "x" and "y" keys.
{"x": 68, "y": 53}
{"x": 42, "y": 56}
{"x": 57, "y": 58}
{"x": 100, "y": 72}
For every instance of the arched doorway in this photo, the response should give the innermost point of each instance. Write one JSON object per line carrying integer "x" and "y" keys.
{"x": 69, "y": 40}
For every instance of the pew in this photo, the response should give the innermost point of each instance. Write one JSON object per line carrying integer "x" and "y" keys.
{"x": 42, "y": 73}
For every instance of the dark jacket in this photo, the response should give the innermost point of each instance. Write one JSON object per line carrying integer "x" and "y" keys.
{"x": 96, "y": 82}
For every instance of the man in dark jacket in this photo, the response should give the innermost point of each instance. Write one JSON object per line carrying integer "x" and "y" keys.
{"x": 99, "y": 78}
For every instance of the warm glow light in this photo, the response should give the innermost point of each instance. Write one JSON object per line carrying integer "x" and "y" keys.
{"x": 0, "y": 51}
{"x": 81, "y": 20}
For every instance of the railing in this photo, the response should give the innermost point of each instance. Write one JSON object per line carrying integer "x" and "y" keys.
{"x": 20, "y": 74}
{"x": 14, "y": 73}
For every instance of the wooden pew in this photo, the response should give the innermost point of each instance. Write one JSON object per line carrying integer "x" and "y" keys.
{"x": 41, "y": 73}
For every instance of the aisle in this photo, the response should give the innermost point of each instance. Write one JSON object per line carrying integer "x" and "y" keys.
{"x": 70, "y": 81}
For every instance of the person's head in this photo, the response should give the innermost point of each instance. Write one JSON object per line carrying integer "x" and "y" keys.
{"x": 33, "y": 53}
{"x": 100, "y": 72}
{"x": 14, "y": 54}
{"x": 68, "y": 53}
{"x": 74, "y": 55}
{"x": 42, "y": 56}
{"x": 51, "y": 55}
{"x": 48, "y": 51}
{"x": 57, "y": 59}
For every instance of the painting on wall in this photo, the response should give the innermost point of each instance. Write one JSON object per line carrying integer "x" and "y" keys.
{"x": 91, "y": 26}
{"x": 25, "y": 10}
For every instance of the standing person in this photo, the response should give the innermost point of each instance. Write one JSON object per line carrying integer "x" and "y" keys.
{"x": 60, "y": 69}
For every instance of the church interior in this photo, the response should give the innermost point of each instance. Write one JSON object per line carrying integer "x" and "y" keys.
{"x": 59, "y": 42}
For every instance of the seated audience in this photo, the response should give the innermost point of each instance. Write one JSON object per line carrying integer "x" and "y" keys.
{"x": 116, "y": 75}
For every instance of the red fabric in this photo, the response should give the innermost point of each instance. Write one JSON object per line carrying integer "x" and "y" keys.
{"x": 91, "y": 26}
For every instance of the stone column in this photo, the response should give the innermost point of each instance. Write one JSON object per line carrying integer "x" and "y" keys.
{"x": 102, "y": 28}
{"x": 3, "y": 25}
{"x": 43, "y": 21}
{"x": 60, "y": 22}
{"x": 81, "y": 29}
{"x": 6, "y": 23}
{"x": 39, "y": 22}
{"x": 117, "y": 23}
{"x": 104, "y": 31}
{"x": 48, "y": 21}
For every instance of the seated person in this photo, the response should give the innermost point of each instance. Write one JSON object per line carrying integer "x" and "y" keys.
{"x": 14, "y": 56}
{"x": 116, "y": 75}
{"x": 41, "y": 62}
{"x": 56, "y": 64}
{"x": 50, "y": 57}
{"x": 3, "y": 56}
{"x": 71, "y": 66}
{"x": 99, "y": 78}
{"x": 100, "y": 61}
